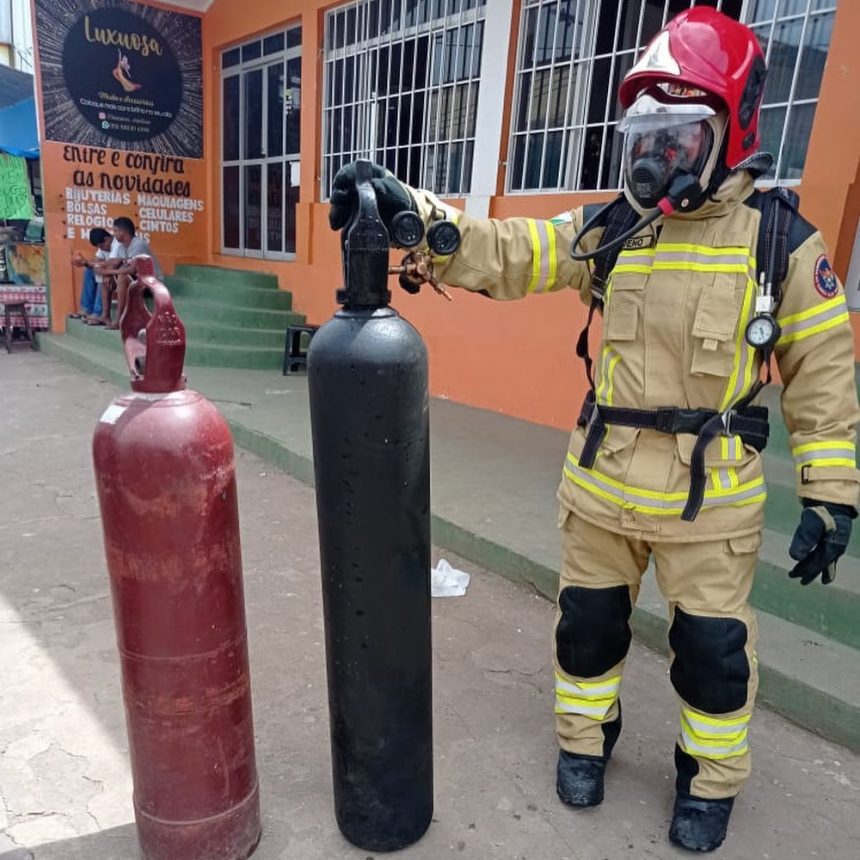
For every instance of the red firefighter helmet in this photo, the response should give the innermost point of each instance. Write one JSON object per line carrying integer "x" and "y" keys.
{"x": 702, "y": 49}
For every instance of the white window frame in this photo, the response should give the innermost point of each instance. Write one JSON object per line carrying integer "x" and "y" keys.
{"x": 452, "y": 18}
{"x": 290, "y": 161}
{"x": 792, "y": 102}
{"x": 584, "y": 57}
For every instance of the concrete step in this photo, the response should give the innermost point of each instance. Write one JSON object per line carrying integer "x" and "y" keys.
{"x": 493, "y": 504}
{"x": 829, "y": 611}
{"x": 237, "y": 294}
{"x": 193, "y": 310}
{"x": 223, "y": 275}
{"x": 226, "y": 335}
{"x": 197, "y": 353}
{"x": 782, "y": 509}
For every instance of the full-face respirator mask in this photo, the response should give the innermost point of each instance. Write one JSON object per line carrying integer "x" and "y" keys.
{"x": 671, "y": 151}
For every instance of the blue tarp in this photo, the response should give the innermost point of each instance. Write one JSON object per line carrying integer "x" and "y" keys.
{"x": 18, "y": 134}
{"x": 18, "y": 131}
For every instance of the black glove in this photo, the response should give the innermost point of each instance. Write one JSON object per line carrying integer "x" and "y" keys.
{"x": 391, "y": 196}
{"x": 820, "y": 540}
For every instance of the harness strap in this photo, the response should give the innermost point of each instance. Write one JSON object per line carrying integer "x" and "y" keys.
{"x": 582, "y": 344}
{"x": 706, "y": 424}
{"x": 620, "y": 217}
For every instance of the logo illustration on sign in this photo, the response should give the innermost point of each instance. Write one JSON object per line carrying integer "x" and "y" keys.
{"x": 121, "y": 75}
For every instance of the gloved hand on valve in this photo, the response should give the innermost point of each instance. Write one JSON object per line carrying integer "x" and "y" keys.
{"x": 820, "y": 540}
{"x": 391, "y": 196}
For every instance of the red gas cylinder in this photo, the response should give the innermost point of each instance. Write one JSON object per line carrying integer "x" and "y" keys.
{"x": 166, "y": 482}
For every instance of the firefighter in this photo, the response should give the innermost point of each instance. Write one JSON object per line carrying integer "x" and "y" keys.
{"x": 665, "y": 461}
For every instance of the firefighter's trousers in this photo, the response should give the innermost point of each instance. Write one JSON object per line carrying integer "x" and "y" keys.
{"x": 712, "y": 639}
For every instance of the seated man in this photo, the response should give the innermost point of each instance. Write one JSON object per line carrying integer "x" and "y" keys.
{"x": 126, "y": 246}
{"x": 91, "y": 299}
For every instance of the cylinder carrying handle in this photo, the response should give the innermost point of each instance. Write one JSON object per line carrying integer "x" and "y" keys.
{"x": 154, "y": 343}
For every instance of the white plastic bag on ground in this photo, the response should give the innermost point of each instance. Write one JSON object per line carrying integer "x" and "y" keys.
{"x": 447, "y": 581}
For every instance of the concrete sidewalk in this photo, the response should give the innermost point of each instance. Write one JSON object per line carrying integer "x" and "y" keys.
{"x": 64, "y": 775}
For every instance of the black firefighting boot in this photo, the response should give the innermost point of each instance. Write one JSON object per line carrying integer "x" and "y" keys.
{"x": 579, "y": 779}
{"x": 700, "y": 825}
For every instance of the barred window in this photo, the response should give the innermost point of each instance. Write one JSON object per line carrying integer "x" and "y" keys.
{"x": 573, "y": 55}
{"x": 795, "y": 36}
{"x": 401, "y": 87}
{"x": 261, "y": 117}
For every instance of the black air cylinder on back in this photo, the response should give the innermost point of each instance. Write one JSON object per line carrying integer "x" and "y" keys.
{"x": 367, "y": 376}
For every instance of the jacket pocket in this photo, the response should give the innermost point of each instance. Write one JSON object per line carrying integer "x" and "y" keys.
{"x": 615, "y": 440}
{"x": 744, "y": 545}
{"x": 621, "y": 314}
{"x": 715, "y": 326}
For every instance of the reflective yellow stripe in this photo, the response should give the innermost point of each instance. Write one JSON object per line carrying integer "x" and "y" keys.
{"x": 730, "y": 448}
{"x": 823, "y": 446}
{"x": 533, "y": 232}
{"x": 825, "y": 326}
{"x": 588, "y": 699}
{"x": 813, "y": 320}
{"x": 838, "y": 453}
{"x": 814, "y": 311}
{"x": 544, "y": 256}
{"x": 706, "y": 250}
{"x": 553, "y": 255}
{"x": 831, "y": 463}
{"x": 712, "y": 737}
{"x": 631, "y": 267}
{"x": 609, "y": 360}
{"x": 588, "y": 689}
{"x": 725, "y": 479}
{"x": 653, "y": 502}
{"x": 691, "y": 266}
{"x": 744, "y": 362}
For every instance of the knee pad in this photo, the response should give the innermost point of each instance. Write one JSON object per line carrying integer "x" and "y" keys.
{"x": 710, "y": 671}
{"x": 593, "y": 633}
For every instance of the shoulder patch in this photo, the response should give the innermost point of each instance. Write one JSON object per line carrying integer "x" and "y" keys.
{"x": 825, "y": 278}
{"x": 563, "y": 218}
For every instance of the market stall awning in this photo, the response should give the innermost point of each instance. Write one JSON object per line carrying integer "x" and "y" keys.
{"x": 18, "y": 131}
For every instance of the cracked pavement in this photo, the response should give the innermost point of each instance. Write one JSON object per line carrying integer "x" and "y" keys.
{"x": 64, "y": 777}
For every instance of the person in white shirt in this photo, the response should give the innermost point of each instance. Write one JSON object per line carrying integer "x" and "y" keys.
{"x": 91, "y": 292}
{"x": 126, "y": 246}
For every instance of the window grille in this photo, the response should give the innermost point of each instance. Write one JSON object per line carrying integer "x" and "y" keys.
{"x": 795, "y": 36}
{"x": 261, "y": 118}
{"x": 401, "y": 88}
{"x": 573, "y": 55}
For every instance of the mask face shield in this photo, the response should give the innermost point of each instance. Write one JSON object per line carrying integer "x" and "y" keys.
{"x": 661, "y": 142}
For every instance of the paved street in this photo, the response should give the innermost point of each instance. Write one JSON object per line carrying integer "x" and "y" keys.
{"x": 64, "y": 775}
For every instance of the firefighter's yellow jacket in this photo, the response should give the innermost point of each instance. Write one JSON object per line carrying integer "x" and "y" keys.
{"x": 674, "y": 317}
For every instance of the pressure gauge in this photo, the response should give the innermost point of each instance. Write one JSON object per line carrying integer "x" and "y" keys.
{"x": 762, "y": 332}
{"x": 443, "y": 237}
{"x": 407, "y": 229}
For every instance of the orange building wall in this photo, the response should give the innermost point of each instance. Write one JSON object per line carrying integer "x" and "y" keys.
{"x": 516, "y": 358}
